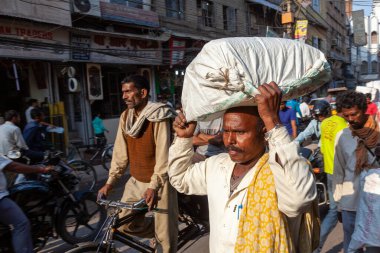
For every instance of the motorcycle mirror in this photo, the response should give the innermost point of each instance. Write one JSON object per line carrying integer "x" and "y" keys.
{"x": 14, "y": 154}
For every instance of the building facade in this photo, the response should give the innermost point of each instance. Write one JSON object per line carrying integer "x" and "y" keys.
{"x": 73, "y": 55}
{"x": 337, "y": 43}
{"x": 365, "y": 55}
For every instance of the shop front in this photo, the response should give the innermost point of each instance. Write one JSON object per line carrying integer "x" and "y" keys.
{"x": 178, "y": 52}
{"x": 104, "y": 61}
{"x": 27, "y": 53}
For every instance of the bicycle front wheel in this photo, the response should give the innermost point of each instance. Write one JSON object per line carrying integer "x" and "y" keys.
{"x": 107, "y": 157}
{"x": 86, "y": 174}
{"x": 81, "y": 221}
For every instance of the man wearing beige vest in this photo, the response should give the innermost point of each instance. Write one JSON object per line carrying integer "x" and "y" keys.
{"x": 142, "y": 141}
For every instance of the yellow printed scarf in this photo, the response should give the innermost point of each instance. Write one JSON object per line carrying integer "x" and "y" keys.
{"x": 262, "y": 227}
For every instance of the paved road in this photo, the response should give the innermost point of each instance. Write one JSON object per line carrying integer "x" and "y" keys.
{"x": 199, "y": 245}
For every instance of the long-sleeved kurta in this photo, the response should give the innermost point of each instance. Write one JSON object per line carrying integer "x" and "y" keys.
{"x": 295, "y": 185}
{"x": 120, "y": 158}
{"x": 346, "y": 183}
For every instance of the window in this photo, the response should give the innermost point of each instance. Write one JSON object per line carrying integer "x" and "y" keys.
{"x": 374, "y": 39}
{"x": 229, "y": 18}
{"x": 316, "y": 5}
{"x": 374, "y": 67}
{"x": 322, "y": 44}
{"x": 315, "y": 42}
{"x": 206, "y": 15}
{"x": 364, "y": 67}
{"x": 130, "y": 3}
{"x": 175, "y": 9}
{"x": 339, "y": 41}
{"x": 112, "y": 105}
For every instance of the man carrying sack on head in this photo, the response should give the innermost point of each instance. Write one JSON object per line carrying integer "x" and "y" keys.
{"x": 257, "y": 200}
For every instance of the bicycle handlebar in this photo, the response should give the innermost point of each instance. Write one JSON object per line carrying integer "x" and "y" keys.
{"x": 139, "y": 205}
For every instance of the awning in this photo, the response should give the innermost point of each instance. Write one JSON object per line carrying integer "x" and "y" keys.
{"x": 266, "y": 3}
{"x": 189, "y": 35}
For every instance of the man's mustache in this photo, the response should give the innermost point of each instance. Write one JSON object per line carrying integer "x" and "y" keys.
{"x": 233, "y": 148}
{"x": 352, "y": 123}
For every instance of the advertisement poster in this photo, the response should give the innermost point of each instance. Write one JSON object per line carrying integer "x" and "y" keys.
{"x": 301, "y": 30}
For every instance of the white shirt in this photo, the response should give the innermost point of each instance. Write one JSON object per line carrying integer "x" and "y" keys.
{"x": 27, "y": 114}
{"x": 213, "y": 127}
{"x": 305, "y": 111}
{"x": 346, "y": 184}
{"x": 3, "y": 182}
{"x": 295, "y": 185}
{"x": 11, "y": 138}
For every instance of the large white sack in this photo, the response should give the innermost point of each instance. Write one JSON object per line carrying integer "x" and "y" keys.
{"x": 227, "y": 72}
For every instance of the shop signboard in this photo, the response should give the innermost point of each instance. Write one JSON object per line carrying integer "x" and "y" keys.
{"x": 81, "y": 45}
{"x": 112, "y": 49}
{"x": 122, "y": 13}
{"x": 28, "y": 40}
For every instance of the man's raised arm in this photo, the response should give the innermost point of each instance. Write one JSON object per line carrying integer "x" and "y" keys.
{"x": 185, "y": 177}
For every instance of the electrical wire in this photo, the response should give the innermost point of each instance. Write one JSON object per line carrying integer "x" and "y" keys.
{"x": 157, "y": 6}
{"x": 169, "y": 9}
{"x": 97, "y": 8}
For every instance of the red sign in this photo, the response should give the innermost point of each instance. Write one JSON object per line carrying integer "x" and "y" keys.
{"x": 20, "y": 31}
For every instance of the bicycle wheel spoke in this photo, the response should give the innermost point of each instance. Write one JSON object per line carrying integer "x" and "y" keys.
{"x": 92, "y": 215}
{"x": 76, "y": 229}
{"x": 74, "y": 211}
{"x": 85, "y": 209}
{"x": 89, "y": 227}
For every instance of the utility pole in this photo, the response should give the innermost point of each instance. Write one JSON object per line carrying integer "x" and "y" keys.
{"x": 287, "y": 19}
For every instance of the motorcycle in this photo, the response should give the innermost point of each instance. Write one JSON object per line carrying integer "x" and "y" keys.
{"x": 315, "y": 158}
{"x": 55, "y": 208}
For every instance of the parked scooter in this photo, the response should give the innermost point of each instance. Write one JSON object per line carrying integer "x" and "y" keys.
{"x": 316, "y": 160}
{"x": 55, "y": 208}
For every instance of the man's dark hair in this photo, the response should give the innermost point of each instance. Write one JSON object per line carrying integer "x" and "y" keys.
{"x": 306, "y": 99}
{"x": 338, "y": 108}
{"x": 32, "y": 101}
{"x": 34, "y": 113}
{"x": 140, "y": 82}
{"x": 368, "y": 95}
{"x": 8, "y": 115}
{"x": 351, "y": 98}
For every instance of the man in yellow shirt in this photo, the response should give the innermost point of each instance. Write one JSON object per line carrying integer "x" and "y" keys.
{"x": 330, "y": 127}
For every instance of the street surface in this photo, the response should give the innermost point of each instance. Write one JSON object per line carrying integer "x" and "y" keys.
{"x": 334, "y": 243}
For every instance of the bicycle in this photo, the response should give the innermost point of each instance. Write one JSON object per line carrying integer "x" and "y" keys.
{"x": 100, "y": 151}
{"x": 85, "y": 167}
{"x": 111, "y": 234}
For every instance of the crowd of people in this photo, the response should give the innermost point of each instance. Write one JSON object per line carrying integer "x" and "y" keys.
{"x": 227, "y": 159}
{"x": 261, "y": 193}
{"x": 348, "y": 142}
{"x": 30, "y": 141}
